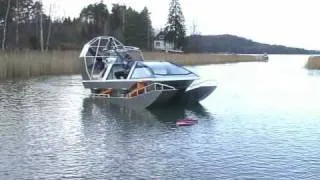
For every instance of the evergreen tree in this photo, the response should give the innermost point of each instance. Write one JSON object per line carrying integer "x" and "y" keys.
{"x": 138, "y": 30}
{"x": 132, "y": 28}
{"x": 118, "y": 21}
{"x": 175, "y": 29}
{"x": 95, "y": 17}
{"x": 146, "y": 28}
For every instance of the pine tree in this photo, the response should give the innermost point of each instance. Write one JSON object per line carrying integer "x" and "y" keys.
{"x": 95, "y": 17}
{"x": 118, "y": 21}
{"x": 175, "y": 29}
{"x": 146, "y": 28}
{"x": 138, "y": 29}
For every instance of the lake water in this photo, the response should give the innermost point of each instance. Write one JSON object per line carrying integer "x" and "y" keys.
{"x": 262, "y": 122}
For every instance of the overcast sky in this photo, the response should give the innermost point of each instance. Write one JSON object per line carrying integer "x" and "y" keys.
{"x": 286, "y": 22}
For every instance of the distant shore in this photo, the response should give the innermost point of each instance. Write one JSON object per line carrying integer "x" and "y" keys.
{"x": 202, "y": 58}
{"x": 313, "y": 62}
{"x": 33, "y": 63}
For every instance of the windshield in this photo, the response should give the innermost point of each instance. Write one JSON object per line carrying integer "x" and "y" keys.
{"x": 141, "y": 71}
{"x": 166, "y": 68}
{"x": 134, "y": 55}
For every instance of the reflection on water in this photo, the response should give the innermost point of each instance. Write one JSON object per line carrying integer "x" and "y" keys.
{"x": 167, "y": 115}
{"x": 262, "y": 122}
{"x": 315, "y": 73}
{"x": 140, "y": 143}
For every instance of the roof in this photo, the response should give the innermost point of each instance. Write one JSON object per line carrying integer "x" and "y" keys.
{"x": 161, "y": 35}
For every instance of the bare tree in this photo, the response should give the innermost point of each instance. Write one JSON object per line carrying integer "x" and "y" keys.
{"x": 5, "y": 26}
{"x": 17, "y": 22}
{"x": 41, "y": 29}
{"x": 49, "y": 29}
{"x": 194, "y": 28}
{"x": 148, "y": 37}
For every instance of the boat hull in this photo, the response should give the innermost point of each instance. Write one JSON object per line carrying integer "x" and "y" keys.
{"x": 117, "y": 84}
{"x": 193, "y": 96}
{"x": 154, "y": 98}
{"x": 163, "y": 98}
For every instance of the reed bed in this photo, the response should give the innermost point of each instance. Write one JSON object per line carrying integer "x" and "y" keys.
{"x": 313, "y": 62}
{"x": 202, "y": 59}
{"x": 33, "y": 63}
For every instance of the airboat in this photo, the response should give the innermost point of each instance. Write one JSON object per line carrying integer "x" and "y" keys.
{"x": 120, "y": 75}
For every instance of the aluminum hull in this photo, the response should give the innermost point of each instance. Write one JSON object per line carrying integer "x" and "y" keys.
{"x": 193, "y": 96}
{"x": 117, "y": 84}
{"x": 163, "y": 98}
{"x": 154, "y": 98}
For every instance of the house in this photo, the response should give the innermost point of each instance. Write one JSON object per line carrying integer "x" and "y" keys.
{"x": 160, "y": 43}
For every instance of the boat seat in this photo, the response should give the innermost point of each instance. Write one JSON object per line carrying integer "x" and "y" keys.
{"x": 121, "y": 74}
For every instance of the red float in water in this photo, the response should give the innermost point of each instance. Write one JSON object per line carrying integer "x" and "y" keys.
{"x": 186, "y": 122}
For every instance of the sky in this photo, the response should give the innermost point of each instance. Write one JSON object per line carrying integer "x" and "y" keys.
{"x": 293, "y": 23}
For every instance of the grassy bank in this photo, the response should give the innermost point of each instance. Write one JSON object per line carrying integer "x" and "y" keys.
{"x": 313, "y": 62}
{"x": 33, "y": 63}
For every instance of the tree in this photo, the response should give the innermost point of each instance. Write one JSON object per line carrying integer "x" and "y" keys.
{"x": 5, "y": 26}
{"x": 23, "y": 13}
{"x": 194, "y": 29}
{"x": 138, "y": 29}
{"x": 17, "y": 18}
{"x": 118, "y": 21}
{"x": 132, "y": 28}
{"x": 27, "y": 26}
{"x": 175, "y": 29}
{"x": 146, "y": 27}
{"x": 49, "y": 29}
{"x": 96, "y": 17}
{"x": 39, "y": 9}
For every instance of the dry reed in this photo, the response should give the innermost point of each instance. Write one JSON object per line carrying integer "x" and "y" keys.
{"x": 202, "y": 59}
{"x": 313, "y": 62}
{"x": 33, "y": 63}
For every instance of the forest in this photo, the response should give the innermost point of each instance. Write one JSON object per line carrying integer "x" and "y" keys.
{"x": 25, "y": 25}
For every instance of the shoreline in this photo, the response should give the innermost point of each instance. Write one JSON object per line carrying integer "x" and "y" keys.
{"x": 27, "y": 64}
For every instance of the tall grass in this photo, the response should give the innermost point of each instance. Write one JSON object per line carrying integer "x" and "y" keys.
{"x": 202, "y": 59}
{"x": 33, "y": 63}
{"x": 313, "y": 62}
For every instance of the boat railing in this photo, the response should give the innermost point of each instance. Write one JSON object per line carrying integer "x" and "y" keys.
{"x": 158, "y": 87}
{"x": 136, "y": 92}
{"x": 150, "y": 88}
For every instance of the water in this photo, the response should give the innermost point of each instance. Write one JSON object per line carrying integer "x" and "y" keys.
{"x": 262, "y": 122}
